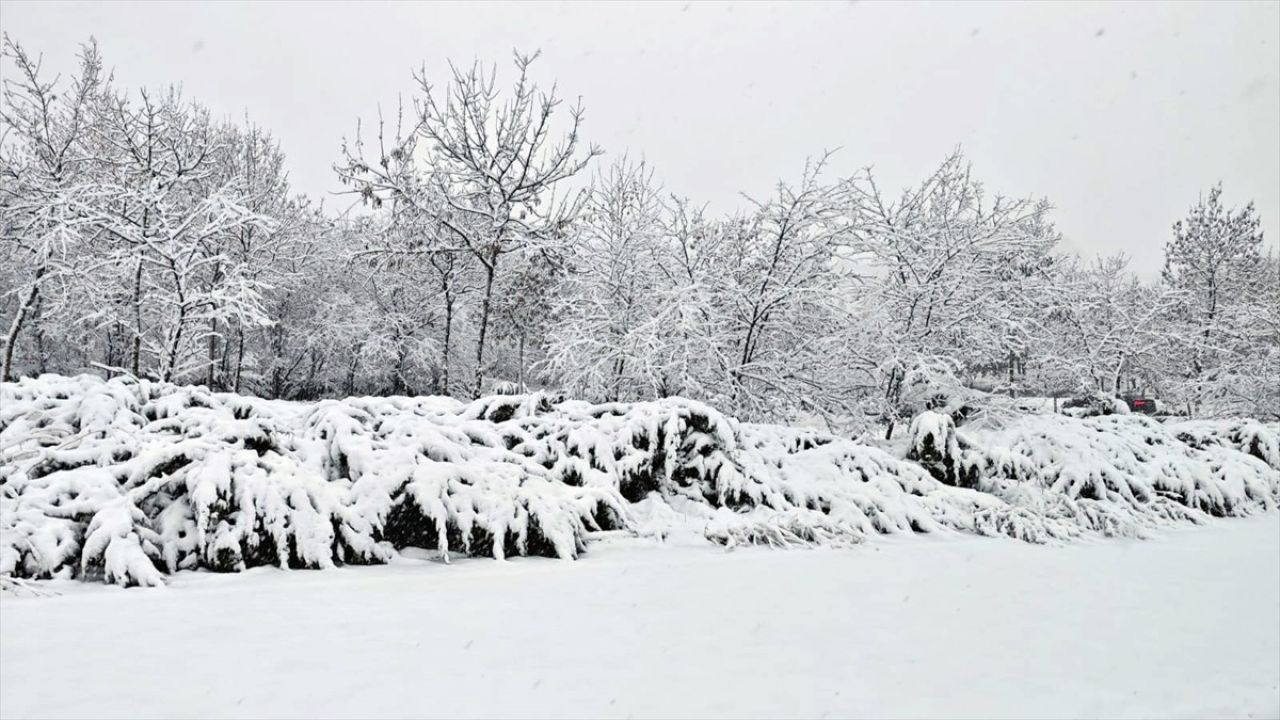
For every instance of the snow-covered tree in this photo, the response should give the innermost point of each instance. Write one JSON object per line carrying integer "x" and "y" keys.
{"x": 141, "y": 237}
{"x": 949, "y": 274}
{"x": 253, "y": 163}
{"x": 293, "y": 356}
{"x": 691, "y": 356}
{"x": 484, "y": 164}
{"x": 45, "y": 175}
{"x": 1214, "y": 258}
{"x": 782, "y": 302}
{"x": 1102, "y": 326}
{"x": 172, "y": 214}
{"x": 604, "y": 332}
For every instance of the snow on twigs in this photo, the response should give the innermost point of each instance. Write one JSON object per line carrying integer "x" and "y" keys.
{"x": 126, "y": 481}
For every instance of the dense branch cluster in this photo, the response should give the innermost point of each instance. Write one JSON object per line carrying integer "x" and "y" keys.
{"x": 140, "y": 237}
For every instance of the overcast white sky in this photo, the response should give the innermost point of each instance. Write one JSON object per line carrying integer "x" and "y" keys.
{"x": 1121, "y": 114}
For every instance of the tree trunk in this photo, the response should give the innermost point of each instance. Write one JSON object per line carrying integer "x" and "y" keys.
{"x": 277, "y": 350}
{"x": 615, "y": 390}
{"x": 109, "y": 358}
{"x": 892, "y": 391}
{"x": 171, "y": 362}
{"x": 137, "y": 318}
{"x": 445, "y": 352}
{"x": 520, "y": 372}
{"x": 37, "y": 327}
{"x": 402, "y": 352}
{"x": 16, "y": 326}
{"x": 1117, "y": 378}
{"x": 351, "y": 372}
{"x": 239, "y": 358}
{"x": 213, "y": 353}
{"x": 490, "y": 270}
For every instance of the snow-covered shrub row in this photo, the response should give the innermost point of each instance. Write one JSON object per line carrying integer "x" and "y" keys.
{"x": 841, "y": 489}
{"x": 126, "y": 481}
{"x": 117, "y": 481}
{"x": 1260, "y": 440}
{"x": 1115, "y": 474}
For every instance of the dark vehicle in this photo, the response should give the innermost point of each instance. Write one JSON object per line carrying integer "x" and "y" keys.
{"x": 1089, "y": 405}
{"x": 1106, "y": 404}
{"x": 1140, "y": 404}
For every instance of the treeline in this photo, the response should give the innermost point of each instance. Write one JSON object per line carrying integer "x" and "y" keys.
{"x": 494, "y": 247}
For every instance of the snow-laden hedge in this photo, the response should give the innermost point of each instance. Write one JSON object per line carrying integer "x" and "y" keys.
{"x": 127, "y": 481}
{"x": 1115, "y": 474}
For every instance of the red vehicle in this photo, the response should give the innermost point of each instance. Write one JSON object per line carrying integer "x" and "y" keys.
{"x": 1140, "y": 404}
{"x": 1104, "y": 404}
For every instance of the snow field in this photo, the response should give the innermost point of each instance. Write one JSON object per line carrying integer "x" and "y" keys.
{"x": 1184, "y": 625}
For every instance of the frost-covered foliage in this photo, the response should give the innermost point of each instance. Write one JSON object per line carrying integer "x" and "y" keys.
{"x": 127, "y": 481}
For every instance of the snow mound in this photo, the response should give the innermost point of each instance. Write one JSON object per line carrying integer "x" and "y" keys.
{"x": 127, "y": 481}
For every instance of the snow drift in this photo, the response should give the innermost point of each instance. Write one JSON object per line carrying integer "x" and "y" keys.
{"x": 126, "y": 481}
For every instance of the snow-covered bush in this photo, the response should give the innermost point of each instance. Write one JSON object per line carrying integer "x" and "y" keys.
{"x": 1258, "y": 439}
{"x": 126, "y": 481}
{"x": 414, "y": 473}
{"x": 936, "y": 446}
{"x": 1120, "y": 474}
{"x": 119, "y": 479}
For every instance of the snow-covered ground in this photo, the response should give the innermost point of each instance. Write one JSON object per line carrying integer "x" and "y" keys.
{"x": 1184, "y": 625}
